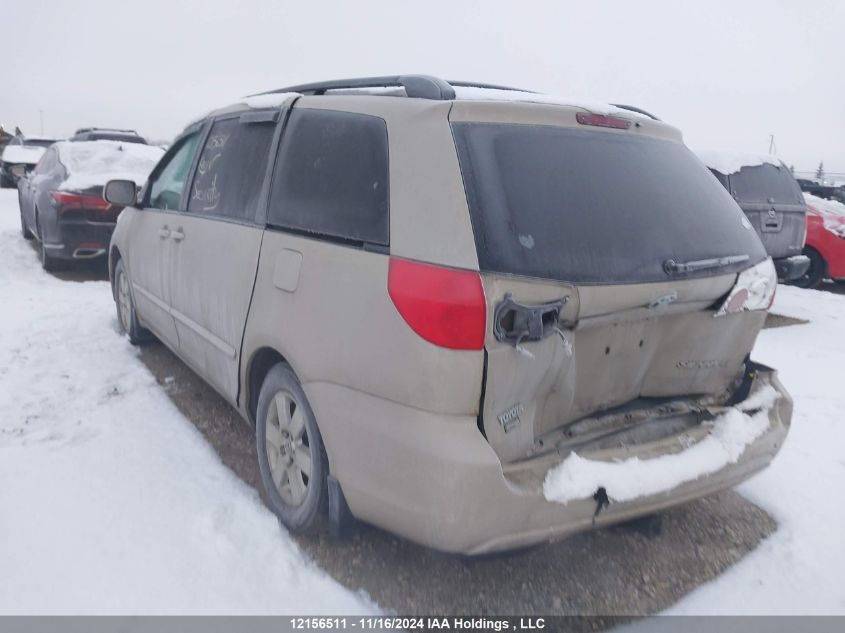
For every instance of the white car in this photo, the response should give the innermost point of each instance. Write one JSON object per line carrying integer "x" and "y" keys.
{"x": 19, "y": 157}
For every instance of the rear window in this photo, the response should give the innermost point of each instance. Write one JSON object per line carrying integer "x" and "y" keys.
{"x": 765, "y": 183}
{"x": 594, "y": 207}
{"x": 124, "y": 138}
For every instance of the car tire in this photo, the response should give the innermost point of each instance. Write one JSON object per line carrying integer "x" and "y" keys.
{"x": 815, "y": 273}
{"x": 49, "y": 263}
{"x": 291, "y": 455}
{"x": 127, "y": 318}
{"x": 27, "y": 234}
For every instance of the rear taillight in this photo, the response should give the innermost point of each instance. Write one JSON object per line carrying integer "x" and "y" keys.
{"x": 68, "y": 201}
{"x": 602, "y": 120}
{"x": 754, "y": 290}
{"x": 445, "y": 306}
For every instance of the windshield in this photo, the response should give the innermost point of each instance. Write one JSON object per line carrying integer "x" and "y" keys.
{"x": 765, "y": 183}
{"x": 594, "y": 207}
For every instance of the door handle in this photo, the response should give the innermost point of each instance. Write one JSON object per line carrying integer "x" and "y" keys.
{"x": 164, "y": 232}
{"x": 178, "y": 235}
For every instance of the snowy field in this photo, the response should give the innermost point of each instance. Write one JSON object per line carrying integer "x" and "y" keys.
{"x": 797, "y": 570}
{"x": 111, "y": 501}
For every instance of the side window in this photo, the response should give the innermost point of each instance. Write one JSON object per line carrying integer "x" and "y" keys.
{"x": 167, "y": 185}
{"x": 231, "y": 169}
{"x": 331, "y": 176}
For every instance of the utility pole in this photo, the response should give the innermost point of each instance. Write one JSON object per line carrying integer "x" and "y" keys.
{"x": 41, "y": 116}
{"x": 772, "y": 148}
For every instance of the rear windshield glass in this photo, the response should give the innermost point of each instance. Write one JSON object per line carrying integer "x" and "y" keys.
{"x": 594, "y": 207}
{"x": 124, "y": 138}
{"x": 765, "y": 183}
{"x": 38, "y": 142}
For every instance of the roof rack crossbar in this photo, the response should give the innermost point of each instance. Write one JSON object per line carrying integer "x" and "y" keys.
{"x": 476, "y": 84}
{"x": 420, "y": 86}
{"x": 635, "y": 109}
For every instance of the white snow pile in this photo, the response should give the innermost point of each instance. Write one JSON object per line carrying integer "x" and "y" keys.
{"x": 730, "y": 433}
{"x": 825, "y": 207}
{"x": 727, "y": 162}
{"x": 797, "y": 570}
{"x": 23, "y": 154}
{"x": 831, "y": 212}
{"x": 111, "y": 502}
{"x": 94, "y": 163}
{"x": 470, "y": 93}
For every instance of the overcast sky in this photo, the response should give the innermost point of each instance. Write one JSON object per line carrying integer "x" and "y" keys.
{"x": 728, "y": 74}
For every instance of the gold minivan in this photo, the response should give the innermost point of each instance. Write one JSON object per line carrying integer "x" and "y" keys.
{"x": 477, "y": 317}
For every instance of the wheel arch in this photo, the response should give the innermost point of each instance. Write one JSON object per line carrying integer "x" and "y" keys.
{"x": 114, "y": 257}
{"x": 261, "y": 362}
{"x": 817, "y": 251}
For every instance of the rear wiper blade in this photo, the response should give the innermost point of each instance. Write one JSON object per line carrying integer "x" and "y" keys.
{"x": 677, "y": 268}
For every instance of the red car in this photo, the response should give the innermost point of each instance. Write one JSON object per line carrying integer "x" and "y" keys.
{"x": 825, "y": 243}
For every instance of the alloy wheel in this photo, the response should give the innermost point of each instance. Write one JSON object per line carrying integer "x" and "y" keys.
{"x": 288, "y": 450}
{"x": 124, "y": 303}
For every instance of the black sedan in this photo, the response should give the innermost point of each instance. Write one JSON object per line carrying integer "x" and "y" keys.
{"x": 61, "y": 201}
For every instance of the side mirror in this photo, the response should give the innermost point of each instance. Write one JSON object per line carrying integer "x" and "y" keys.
{"x": 121, "y": 193}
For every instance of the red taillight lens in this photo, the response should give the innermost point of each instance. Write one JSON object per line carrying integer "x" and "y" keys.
{"x": 444, "y": 306}
{"x": 78, "y": 201}
{"x": 602, "y": 120}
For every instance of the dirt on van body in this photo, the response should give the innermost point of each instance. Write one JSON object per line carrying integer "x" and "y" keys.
{"x": 635, "y": 569}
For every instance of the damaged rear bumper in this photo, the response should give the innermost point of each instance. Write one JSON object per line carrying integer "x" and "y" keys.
{"x": 580, "y": 513}
{"x": 438, "y": 482}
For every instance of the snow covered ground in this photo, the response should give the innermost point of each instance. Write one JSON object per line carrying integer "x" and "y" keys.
{"x": 110, "y": 500}
{"x": 799, "y": 569}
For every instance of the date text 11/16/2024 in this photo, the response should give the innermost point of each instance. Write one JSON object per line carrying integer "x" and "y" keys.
{"x": 391, "y": 623}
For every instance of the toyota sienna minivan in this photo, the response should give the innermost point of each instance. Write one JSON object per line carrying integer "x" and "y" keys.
{"x": 460, "y": 312}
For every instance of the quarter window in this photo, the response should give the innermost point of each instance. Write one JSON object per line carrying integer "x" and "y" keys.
{"x": 331, "y": 176}
{"x": 167, "y": 185}
{"x": 231, "y": 169}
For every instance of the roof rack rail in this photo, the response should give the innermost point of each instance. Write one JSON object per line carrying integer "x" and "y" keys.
{"x": 635, "y": 109}
{"x": 83, "y": 130}
{"x": 421, "y": 86}
{"x": 475, "y": 84}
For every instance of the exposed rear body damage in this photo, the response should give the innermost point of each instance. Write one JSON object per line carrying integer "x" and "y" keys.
{"x": 611, "y": 349}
